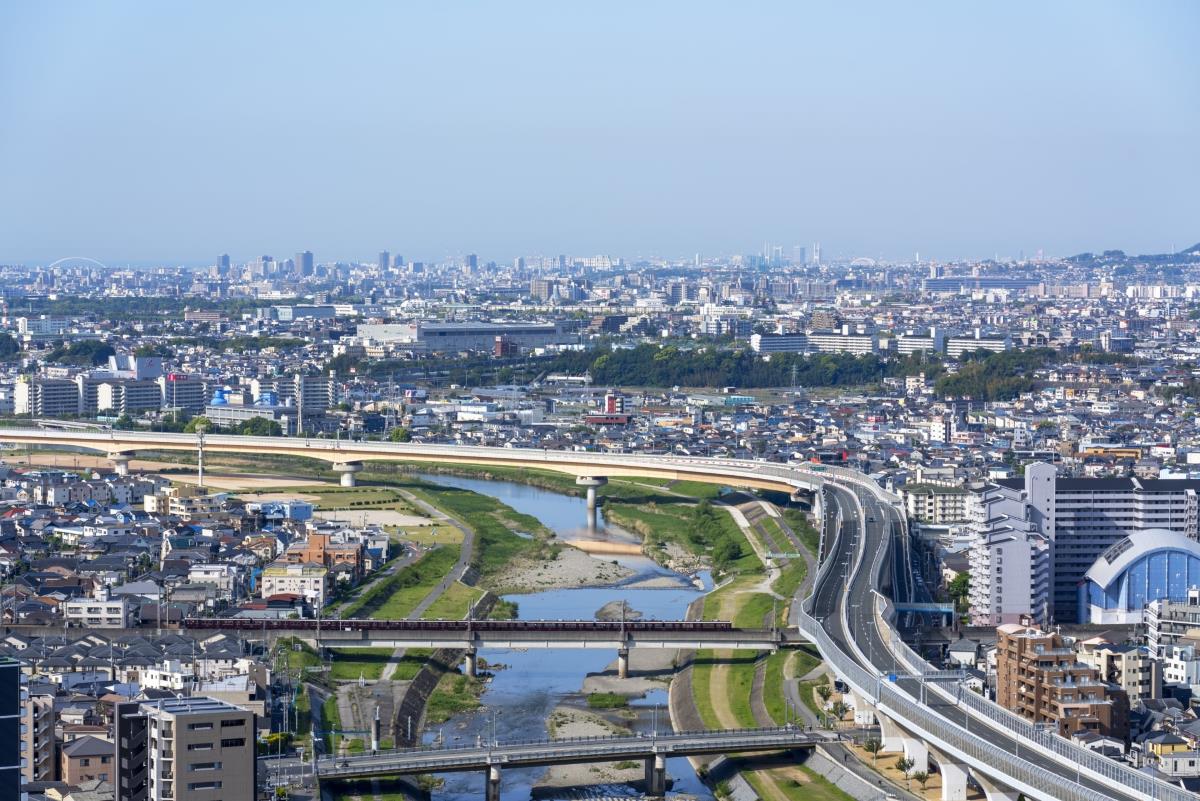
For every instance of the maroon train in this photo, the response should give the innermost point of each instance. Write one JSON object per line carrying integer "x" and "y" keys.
{"x": 351, "y": 624}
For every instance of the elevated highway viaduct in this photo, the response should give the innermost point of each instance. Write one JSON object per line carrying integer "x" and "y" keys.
{"x": 851, "y": 614}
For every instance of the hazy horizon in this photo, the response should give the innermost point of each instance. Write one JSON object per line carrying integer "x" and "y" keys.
{"x": 145, "y": 133}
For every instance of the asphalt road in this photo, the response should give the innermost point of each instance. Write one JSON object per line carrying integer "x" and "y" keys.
{"x": 827, "y": 609}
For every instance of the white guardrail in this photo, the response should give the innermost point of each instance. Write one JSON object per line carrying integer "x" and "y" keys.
{"x": 904, "y": 706}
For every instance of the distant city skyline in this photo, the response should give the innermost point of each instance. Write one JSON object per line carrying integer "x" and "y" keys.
{"x": 150, "y": 134}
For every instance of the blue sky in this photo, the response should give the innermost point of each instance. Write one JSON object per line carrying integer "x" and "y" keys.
{"x": 176, "y": 131}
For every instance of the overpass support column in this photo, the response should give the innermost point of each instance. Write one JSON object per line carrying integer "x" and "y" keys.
{"x": 592, "y": 483}
{"x": 891, "y": 737}
{"x": 864, "y": 713}
{"x": 472, "y": 662}
{"x": 656, "y": 776}
{"x": 120, "y": 462}
{"x": 491, "y": 783}
{"x": 916, "y": 752}
{"x": 375, "y": 731}
{"x": 954, "y": 776}
{"x": 622, "y": 663}
{"x": 348, "y": 469}
{"x": 994, "y": 791}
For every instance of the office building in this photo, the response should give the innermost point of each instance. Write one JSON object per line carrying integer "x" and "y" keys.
{"x": 304, "y": 263}
{"x": 185, "y": 749}
{"x": 385, "y": 260}
{"x": 1039, "y": 678}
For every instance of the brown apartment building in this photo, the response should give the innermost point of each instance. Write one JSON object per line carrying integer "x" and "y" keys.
{"x": 1039, "y": 678}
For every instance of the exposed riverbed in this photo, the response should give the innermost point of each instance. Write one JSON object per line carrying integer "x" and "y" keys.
{"x": 532, "y": 685}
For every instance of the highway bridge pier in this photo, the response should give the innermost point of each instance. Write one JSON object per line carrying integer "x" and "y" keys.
{"x": 592, "y": 483}
{"x": 348, "y": 469}
{"x": 120, "y": 462}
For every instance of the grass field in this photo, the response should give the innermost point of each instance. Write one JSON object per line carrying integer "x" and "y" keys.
{"x": 453, "y": 603}
{"x": 493, "y": 523}
{"x": 395, "y": 597}
{"x": 349, "y": 664}
{"x": 794, "y": 784}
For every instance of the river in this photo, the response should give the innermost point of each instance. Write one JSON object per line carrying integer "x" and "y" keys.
{"x": 522, "y": 695}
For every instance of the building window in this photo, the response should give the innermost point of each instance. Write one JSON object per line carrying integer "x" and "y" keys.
{"x": 229, "y": 724}
{"x": 235, "y": 742}
{"x": 204, "y": 785}
{"x": 200, "y": 746}
{"x": 199, "y": 726}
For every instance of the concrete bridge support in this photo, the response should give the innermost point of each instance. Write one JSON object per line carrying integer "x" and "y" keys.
{"x": 120, "y": 462}
{"x": 491, "y": 783}
{"x": 864, "y": 713}
{"x": 954, "y": 776}
{"x": 656, "y": 776}
{"x": 891, "y": 736}
{"x": 591, "y": 483}
{"x": 622, "y": 663}
{"x": 994, "y": 791}
{"x": 348, "y": 469}
{"x": 472, "y": 666}
{"x": 375, "y": 725}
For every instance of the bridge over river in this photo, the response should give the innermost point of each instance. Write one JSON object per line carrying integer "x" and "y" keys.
{"x": 653, "y": 750}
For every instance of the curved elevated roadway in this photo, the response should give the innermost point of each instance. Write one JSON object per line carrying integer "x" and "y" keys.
{"x": 849, "y": 616}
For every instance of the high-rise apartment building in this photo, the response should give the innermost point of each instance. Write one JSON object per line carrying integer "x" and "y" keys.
{"x": 1039, "y": 678}
{"x": 46, "y": 397}
{"x": 37, "y": 735}
{"x": 12, "y": 696}
{"x": 1038, "y": 535}
{"x": 185, "y": 749}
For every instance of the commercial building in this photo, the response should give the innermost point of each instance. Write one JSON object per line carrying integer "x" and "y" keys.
{"x": 1039, "y": 678}
{"x": 1071, "y": 522}
{"x": 223, "y": 413}
{"x": 185, "y": 749}
{"x": 1146, "y": 566}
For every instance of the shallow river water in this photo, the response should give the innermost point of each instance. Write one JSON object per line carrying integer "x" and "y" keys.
{"x": 522, "y": 695}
